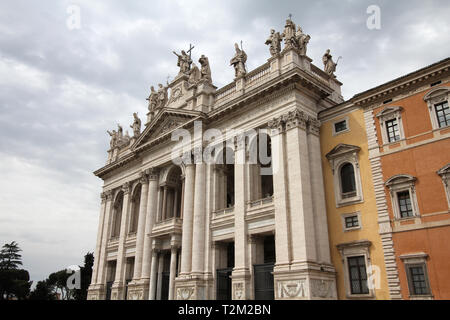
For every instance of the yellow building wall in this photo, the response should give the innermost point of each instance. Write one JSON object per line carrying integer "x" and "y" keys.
{"x": 369, "y": 217}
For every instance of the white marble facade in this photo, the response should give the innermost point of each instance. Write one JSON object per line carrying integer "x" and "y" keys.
{"x": 165, "y": 227}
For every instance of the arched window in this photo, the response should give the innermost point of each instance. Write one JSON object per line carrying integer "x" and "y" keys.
{"x": 135, "y": 204}
{"x": 117, "y": 216}
{"x": 348, "y": 183}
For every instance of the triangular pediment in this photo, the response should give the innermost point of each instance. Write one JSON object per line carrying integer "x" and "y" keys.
{"x": 164, "y": 123}
{"x": 388, "y": 111}
{"x": 342, "y": 149}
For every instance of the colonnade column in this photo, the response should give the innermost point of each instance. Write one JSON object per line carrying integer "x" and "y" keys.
{"x": 198, "y": 237}
{"x": 188, "y": 211}
{"x": 102, "y": 256}
{"x": 299, "y": 183}
{"x": 141, "y": 228}
{"x": 117, "y": 290}
{"x": 173, "y": 270}
{"x": 241, "y": 273}
{"x": 280, "y": 195}
{"x": 101, "y": 228}
{"x": 153, "y": 275}
{"x": 147, "y": 259}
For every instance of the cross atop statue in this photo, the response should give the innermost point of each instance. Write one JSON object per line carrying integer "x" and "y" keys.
{"x": 290, "y": 16}
{"x": 190, "y": 49}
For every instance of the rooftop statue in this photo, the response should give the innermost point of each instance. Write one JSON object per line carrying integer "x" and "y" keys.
{"x": 162, "y": 97}
{"x": 136, "y": 126}
{"x": 113, "y": 142}
{"x": 274, "y": 41}
{"x": 205, "y": 69}
{"x": 329, "y": 65}
{"x": 152, "y": 99}
{"x": 194, "y": 75}
{"x": 289, "y": 34}
{"x": 238, "y": 62}
{"x": 301, "y": 41}
{"x": 184, "y": 62}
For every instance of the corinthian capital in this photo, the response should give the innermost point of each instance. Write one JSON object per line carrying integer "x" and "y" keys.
{"x": 296, "y": 118}
{"x": 126, "y": 187}
{"x": 313, "y": 126}
{"x": 276, "y": 125}
{"x": 143, "y": 179}
{"x": 152, "y": 173}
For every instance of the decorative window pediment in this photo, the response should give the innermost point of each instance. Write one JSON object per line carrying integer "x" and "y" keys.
{"x": 444, "y": 172}
{"x": 345, "y": 167}
{"x": 391, "y": 125}
{"x": 403, "y": 196}
{"x": 437, "y": 100}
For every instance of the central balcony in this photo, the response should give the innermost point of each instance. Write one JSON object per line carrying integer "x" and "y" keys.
{"x": 167, "y": 227}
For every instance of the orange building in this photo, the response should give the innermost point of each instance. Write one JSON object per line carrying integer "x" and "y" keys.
{"x": 408, "y": 129}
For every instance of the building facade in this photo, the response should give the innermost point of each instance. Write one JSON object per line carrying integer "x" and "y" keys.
{"x": 270, "y": 187}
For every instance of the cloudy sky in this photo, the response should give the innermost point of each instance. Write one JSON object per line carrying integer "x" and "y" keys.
{"x": 62, "y": 87}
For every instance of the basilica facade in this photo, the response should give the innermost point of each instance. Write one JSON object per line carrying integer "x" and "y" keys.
{"x": 262, "y": 189}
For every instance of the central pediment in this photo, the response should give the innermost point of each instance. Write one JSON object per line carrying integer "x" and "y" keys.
{"x": 163, "y": 124}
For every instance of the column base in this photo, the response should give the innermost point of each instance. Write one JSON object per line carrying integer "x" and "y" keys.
{"x": 138, "y": 290}
{"x": 193, "y": 288}
{"x": 96, "y": 292}
{"x": 305, "y": 281}
{"x": 117, "y": 292}
{"x": 240, "y": 284}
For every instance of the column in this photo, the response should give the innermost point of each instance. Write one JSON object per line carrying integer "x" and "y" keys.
{"x": 149, "y": 221}
{"x": 300, "y": 194}
{"x": 160, "y": 271}
{"x": 102, "y": 256}
{"x": 164, "y": 204}
{"x": 198, "y": 237}
{"x": 323, "y": 244}
{"x": 240, "y": 233}
{"x": 118, "y": 282}
{"x": 280, "y": 194}
{"x": 153, "y": 275}
{"x": 173, "y": 270}
{"x": 101, "y": 228}
{"x": 188, "y": 208}
{"x": 141, "y": 228}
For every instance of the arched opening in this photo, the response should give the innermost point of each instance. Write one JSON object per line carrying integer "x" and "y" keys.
{"x": 224, "y": 177}
{"x": 135, "y": 205}
{"x": 260, "y": 170}
{"x": 117, "y": 215}
{"x": 348, "y": 183}
{"x": 171, "y": 195}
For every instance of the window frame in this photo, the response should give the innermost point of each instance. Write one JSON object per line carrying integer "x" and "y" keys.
{"x": 434, "y": 97}
{"x": 415, "y": 260}
{"x": 400, "y": 183}
{"x": 392, "y": 113}
{"x": 348, "y": 215}
{"x": 338, "y": 157}
{"x": 447, "y": 123}
{"x": 355, "y": 249}
{"x": 444, "y": 173}
{"x": 347, "y": 126}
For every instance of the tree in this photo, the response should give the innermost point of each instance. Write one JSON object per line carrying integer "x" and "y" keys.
{"x": 86, "y": 275}
{"x": 43, "y": 291}
{"x": 14, "y": 282}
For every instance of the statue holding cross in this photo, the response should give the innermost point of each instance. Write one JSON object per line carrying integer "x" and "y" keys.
{"x": 184, "y": 60}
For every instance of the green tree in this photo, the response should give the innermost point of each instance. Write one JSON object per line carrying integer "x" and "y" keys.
{"x": 86, "y": 275}
{"x": 14, "y": 282}
{"x": 43, "y": 291}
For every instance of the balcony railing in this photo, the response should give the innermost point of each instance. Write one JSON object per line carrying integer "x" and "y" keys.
{"x": 259, "y": 202}
{"x": 223, "y": 211}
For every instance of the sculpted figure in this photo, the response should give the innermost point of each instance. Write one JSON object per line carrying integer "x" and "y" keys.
{"x": 301, "y": 40}
{"x": 194, "y": 75}
{"x": 184, "y": 62}
{"x": 289, "y": 34}
{"x": 119, "y": 132}
{"x": 162, "y": 96}
{"x": 136, "y": 126}
{"x": 274, "y": 41}
{"x": 205, "y": 70}
{"x": 238, "y": 62}
{"x": 152, "y": 99}
{"x": 329, "y": 65}
{"x": 113, "y": 142}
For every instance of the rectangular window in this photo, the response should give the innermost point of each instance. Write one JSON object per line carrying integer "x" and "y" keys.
{"x": 418, "y": 280}
{"x": 392, "y": 130}
{"x": 358, "y": 275}
{"x": 443, "y": 114}
{"x": 340, "y": 126}
{"x": 404, "y": 204}
{"x": 351, "y": 222}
